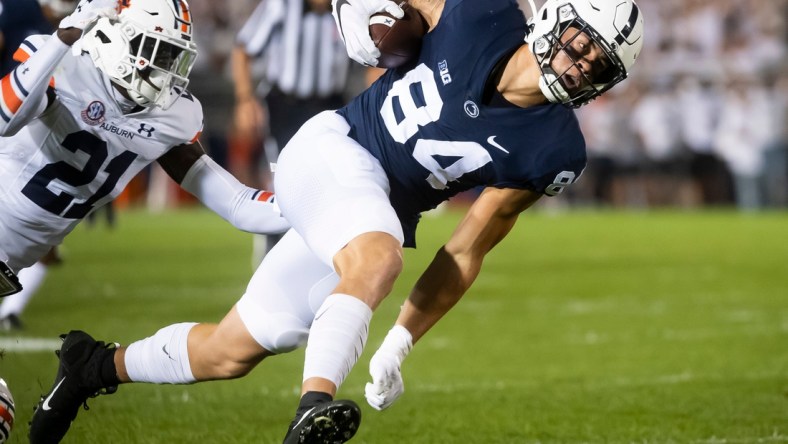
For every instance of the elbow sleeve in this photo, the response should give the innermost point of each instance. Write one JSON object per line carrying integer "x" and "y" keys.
{"x": 245, "y": 208}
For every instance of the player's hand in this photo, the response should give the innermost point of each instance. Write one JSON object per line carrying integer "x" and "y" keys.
{"x": 352, "y": 18}
{"x": 387, "y": 385}
{"x": 385, "y": 368}
{"x": 89, "y": 11}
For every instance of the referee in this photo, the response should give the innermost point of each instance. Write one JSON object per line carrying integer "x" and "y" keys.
{"x": 289, "y": 64}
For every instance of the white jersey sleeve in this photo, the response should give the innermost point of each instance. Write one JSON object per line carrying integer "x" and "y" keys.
{"x": 22, "y": 91}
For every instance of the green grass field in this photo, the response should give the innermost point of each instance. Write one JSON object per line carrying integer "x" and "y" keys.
{"x": 597, "y": 327}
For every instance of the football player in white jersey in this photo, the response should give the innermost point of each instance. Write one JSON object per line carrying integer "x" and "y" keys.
{"x": 353, "y": 182}
{"x": 82, "y": 115}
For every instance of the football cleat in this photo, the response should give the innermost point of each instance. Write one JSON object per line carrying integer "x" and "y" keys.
{"x": 332, "y": 422}
{"x": 78, "y": 378}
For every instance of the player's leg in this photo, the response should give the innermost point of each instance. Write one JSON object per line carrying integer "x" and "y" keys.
{"x": 19, "y": 250}
{"x": 31, "y": 279}
{"x": 344, "y": 215}
{"x": 368, "y": 267}
{"x": 12, "y": 306}
{"x": 272, "y": 317}
{"x": 338, "y": 335}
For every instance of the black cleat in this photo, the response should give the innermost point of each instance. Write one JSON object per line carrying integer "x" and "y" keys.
{"x": 78, "y": 378}
{"x": 332, "y": 422}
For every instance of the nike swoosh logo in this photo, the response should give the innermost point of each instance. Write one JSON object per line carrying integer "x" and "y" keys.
{"x": 164, "y": 349}
{"x": 303, "y": 417}
{"x": 45, "y": 405}
{"x": 491, "y": 141}
{"x": 340, "y": 4}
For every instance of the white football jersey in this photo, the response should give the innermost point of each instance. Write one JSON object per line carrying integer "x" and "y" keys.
{"x": 78, "y": 155}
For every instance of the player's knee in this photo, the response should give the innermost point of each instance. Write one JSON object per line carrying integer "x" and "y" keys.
{"x": 377, "y": 262}
{"x": 276, "y": 332}
{"x": 229, "y": 368}
{"x": 384, "y": 269}
{"x": 372, "y": 279}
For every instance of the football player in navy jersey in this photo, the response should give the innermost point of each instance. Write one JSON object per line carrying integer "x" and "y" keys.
{"x": 479, "y": 107}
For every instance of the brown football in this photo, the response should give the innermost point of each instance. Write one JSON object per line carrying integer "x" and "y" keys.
{"x": 399, "y": 40}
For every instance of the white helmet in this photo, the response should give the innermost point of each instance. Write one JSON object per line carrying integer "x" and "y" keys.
{"x": 148, "y": 50}
{"x": 7, "y": 409}
{"x": 616, "y": 26}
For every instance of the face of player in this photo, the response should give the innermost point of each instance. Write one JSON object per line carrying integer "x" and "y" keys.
{"x": 578, "y": 61}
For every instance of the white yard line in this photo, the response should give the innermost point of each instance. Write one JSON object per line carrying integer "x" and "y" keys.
{"x": 18, "y": 344}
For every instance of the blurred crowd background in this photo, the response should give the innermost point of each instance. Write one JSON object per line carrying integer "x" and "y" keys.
{"x": 702, "y": 120}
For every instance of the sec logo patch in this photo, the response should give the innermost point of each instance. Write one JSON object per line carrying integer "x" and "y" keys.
{"x": 94, "y": 113}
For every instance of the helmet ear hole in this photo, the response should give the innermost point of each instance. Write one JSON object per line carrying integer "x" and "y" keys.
{"x": 103, "y": 37}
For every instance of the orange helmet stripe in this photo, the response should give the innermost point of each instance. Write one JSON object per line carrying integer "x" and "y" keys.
{"x": 185, "y": 16}
{"x": 7, "y": 416}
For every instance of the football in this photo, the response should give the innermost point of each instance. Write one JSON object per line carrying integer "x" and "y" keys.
{"x": 399, "y": 40}
{"x": 6, "y": 412}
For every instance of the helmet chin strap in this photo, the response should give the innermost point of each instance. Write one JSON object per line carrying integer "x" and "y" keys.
{"x": 556, "y": 93}
{"x": 147, "y": 93}
{"x": 125, "y": 98}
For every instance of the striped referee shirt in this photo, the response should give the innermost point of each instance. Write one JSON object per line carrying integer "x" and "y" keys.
{"x": 301, "y": 53}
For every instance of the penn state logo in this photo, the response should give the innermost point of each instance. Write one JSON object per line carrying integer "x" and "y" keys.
{"x": 94, "y": 114}
{"x": 471, "y": 109}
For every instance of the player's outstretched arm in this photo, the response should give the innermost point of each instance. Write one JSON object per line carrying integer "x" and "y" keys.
{"x": 23, "y": 92}
{"x": 443, "y": 283}
{"x": 245, "y": 208}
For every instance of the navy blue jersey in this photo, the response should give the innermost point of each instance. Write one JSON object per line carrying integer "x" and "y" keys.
{"x": 428, "y": 127}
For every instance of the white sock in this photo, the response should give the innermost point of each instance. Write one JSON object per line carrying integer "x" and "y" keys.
{"x": 162, "y": 358}
{"x": 31, "y": 279}
{"x": 337, "y": 338}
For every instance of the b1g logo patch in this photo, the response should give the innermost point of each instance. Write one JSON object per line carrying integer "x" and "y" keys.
{"x": 94, "y": 114}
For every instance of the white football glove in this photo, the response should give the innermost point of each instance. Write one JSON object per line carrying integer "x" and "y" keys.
{"x": 352, "y": 18}
{"x": 385, "y": 369}
{"x": 89, "y": 11}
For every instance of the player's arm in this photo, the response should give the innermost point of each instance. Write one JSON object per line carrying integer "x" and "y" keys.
{"x": 456, "y": 265}
{"x": 451, "y": 272}
{"x": 23, "y": 91}
{"x": 245, "y": 208}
